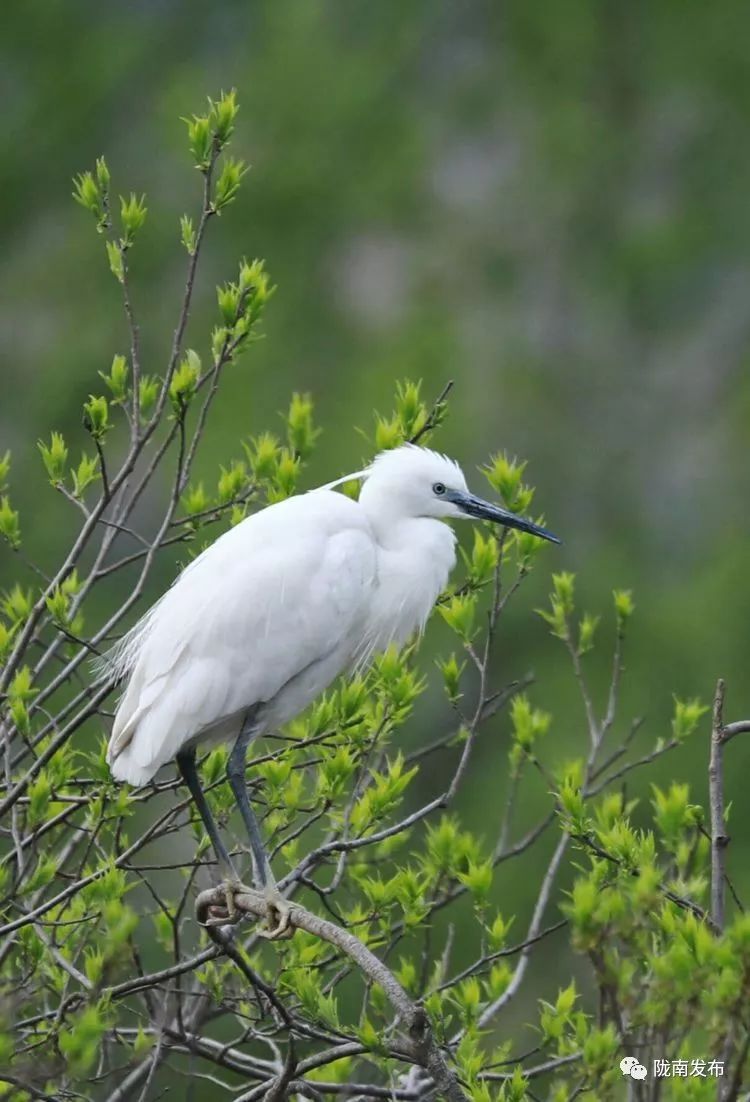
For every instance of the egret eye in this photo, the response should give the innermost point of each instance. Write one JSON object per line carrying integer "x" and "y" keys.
{"x": 438, "y": 489}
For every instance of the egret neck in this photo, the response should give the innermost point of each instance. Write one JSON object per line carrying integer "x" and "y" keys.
{"x": 415, "y": 555}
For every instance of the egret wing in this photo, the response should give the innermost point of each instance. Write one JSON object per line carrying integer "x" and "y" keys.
{"x": 287, "y": 588}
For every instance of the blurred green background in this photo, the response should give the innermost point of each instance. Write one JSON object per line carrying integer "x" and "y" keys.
{"x": 547, "y": 203}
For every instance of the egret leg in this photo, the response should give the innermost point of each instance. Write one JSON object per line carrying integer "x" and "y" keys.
{"x": 262, "y": 875}
{"x": 186, "y": 765}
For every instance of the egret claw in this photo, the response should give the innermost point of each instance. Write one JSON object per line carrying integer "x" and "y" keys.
{"x": 217, "y": 916}
{"x": 229, "y": 914}
{"x": 278, "y": 918}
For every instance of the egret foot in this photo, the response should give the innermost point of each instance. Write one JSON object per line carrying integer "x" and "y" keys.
{"x": 228, "y": 914}
{"x": 278, "y": 915}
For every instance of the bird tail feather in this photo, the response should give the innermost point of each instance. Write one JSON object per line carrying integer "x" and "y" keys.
{"x": 121, "y": 658}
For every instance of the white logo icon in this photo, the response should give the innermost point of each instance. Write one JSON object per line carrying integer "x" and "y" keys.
{"x": 630, "y": 1066}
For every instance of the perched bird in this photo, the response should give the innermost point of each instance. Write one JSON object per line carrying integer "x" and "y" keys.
{"x": 272, "y": 612}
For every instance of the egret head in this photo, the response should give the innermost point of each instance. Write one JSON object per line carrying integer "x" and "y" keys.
{"x": 417, "y": 482}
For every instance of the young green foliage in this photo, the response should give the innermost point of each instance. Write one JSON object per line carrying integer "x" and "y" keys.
{"x": 96, "y": 416}
{"x": 132, "y": 217}
{"x": 184, "y": 382}
{"x": 117, "y": 379}
{"x": 405, "y": 845}
{"x": 10, "y": 524}
{"x": 91, "y": 191}
{"x": 55, "y": 458}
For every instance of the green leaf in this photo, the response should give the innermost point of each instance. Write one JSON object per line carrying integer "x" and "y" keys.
{"x": 388, "y": 434}
{"x": 370, "y": 1037}
{"x": 566, "y": 998}
{"x": 263, "y": 453}
{"x": 17, "y": 603}
{"x": 451, "y": 670}
{"x": 133, "y": 213}
{"x": 443, "y": 845}
{"x": 484, "y": 558}
{"x": 383, "y": 794}
{"x": 116, "y": 261}
{"x": 86, "y": 473}
{"x": 499, "y": 979}
{"x": 200, "y": 140}
{"x": 228, "y": 182}
{"x": 10, "y": 525}
{"x": 301, "y": 432}
{"x": 673, "y": 813}
{"x": 468, "y": 997}
{"x": 408, "y": 419}
{"x": 39, "y": 793}
{"x": 562, "y": 604}
{"x": 102, "y": 175}
{"x": 529, "y": 724}
{"x": 195, "y": 499}
{"x": 222, "y": 115}
{"x": 22, "y": 685}
{"x": 564, "y": 590}
{"x": 91, "y": 192}
{"x": 586, "y": 631}
{"x": 229, "y": 302}
{"x": 232, "y": 481}
{"x": 117, "y": 380}
{"x": 624, "y": 607}
{"x": 93, "y": 966}
{"x": 143, "y": 1043}
{"x": 43, "y": 874}
{"x": 184, "y": 382}
{"x": 187, "y": 234}
{"x": 86, "y": 192}
{"x": 285, "y": 477}
{"x": 687, "y": 716}
{"x": 6, "y": 639}
{"x": 459, "y": 613}
{"x": 504, "y": 475}
{"x": 411, "y": 411}
{"x": 570, "y": 796}
{"x": 497, "y": 933}
{"x": 55, "y": 457}
{"x": 96, "y": 416}
{"x": 80, "y": 1040}
{"x": 148, "y": 392}
{"x": 478, "y": 880}
{"x": 335, "y": 771}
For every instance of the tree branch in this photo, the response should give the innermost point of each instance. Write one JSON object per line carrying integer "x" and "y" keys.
{"x": 424, "y": 1048}
{"x": 719, "y": 838}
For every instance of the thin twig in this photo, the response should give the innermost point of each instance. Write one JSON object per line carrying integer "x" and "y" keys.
{"x": 719, "y": 837}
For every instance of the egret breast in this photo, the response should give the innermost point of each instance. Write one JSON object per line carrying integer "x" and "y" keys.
{"x": 413, "y": 569}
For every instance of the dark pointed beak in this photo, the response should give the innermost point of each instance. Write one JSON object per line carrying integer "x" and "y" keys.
{"x": 485, "y": 510}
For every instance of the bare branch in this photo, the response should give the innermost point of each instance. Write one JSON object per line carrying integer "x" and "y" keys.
{"x": 719, "y": 837}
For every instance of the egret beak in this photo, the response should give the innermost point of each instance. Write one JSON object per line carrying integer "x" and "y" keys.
{"x": 485, "y": 510}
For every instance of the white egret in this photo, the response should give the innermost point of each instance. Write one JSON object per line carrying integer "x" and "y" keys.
{"x": 273, "y": 611}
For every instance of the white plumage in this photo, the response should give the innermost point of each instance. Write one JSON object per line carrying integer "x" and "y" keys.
{"x": 269, "y": 615}
{"x": 279, "y": 606}
{"x": 284, "y": 602}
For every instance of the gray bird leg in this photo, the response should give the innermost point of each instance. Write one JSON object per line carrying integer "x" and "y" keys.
{"x": 186, "y": 765}
{"x": 236, "y": 776}
{"x": 264, "y": 880}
